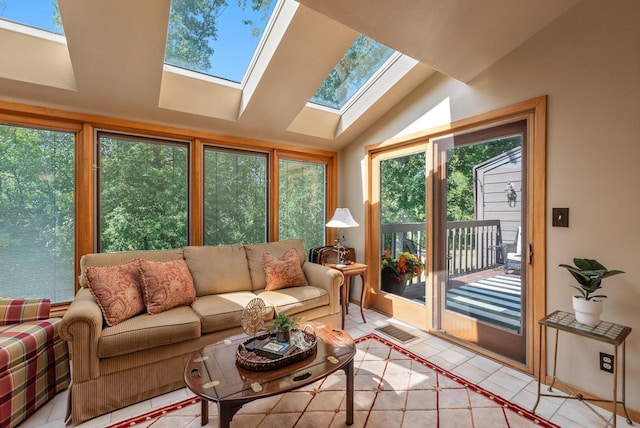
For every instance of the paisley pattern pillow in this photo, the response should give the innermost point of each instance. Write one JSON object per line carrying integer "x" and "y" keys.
{"x": 117, "y": 291}
{"x": 284, "y": 271}
{"x": 166, "y": 285}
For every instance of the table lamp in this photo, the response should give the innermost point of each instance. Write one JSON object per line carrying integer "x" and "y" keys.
{"x": 341, "y": 219}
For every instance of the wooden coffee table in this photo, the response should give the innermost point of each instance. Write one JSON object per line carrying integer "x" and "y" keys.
{"x": 212, "y": 373}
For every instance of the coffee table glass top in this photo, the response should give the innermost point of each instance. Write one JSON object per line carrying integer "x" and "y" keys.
{"x": 212, "y": 372}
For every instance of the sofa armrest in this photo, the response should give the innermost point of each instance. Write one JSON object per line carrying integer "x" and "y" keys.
{"x": 325, "y": 277}
{"x": 81, "y": 326}
{"x": 16, "y": 311}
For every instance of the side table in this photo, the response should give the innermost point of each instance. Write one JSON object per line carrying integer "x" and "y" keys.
{"x": 349, "y": 271}
{"x": 607, "y": 332}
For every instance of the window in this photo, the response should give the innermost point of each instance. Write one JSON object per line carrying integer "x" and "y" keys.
{"x": 359, "y": 64}
{"x": 143, "y": 193}
{"x": 36, "y": 213}
{"x": 216, "y": 37}
{"x": 42, "y": 14}
{"x": 235, "y": 197}
{"x": 302, "y": 201}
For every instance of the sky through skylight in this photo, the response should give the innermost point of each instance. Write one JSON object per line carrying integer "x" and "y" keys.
{"x": 34, "y": 13}
{"x": 357, "y": 66}
{"x": 232, "y": 30}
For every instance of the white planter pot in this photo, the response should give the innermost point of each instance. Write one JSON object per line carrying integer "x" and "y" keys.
{"x": 587, "y": 311}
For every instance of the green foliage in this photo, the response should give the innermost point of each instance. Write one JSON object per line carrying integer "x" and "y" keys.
{"x": 302, "y": 201}
{"x": 403, "y": 189}
{"x": 235, "y": 200}
{"x": 589, "y": 273}
{"x": 283, "y": 321}
{"x": 36, "y": 212}
{"x": 143, "y": 195}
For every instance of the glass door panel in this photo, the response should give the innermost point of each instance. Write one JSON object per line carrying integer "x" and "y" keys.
{"x": 399, "y": 272}
{"x": 481, "y": 271}
{"x": 403, "y": 226}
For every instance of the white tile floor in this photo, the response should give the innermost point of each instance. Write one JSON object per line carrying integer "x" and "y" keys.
{"x": 504, "y": 381}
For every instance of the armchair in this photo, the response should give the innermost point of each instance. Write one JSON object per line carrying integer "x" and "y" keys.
{"x": 513, "y": 253}
{"x": 34, "y": 361}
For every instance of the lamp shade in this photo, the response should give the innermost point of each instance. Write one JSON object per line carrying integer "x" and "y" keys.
{"x": 342, "y": 218}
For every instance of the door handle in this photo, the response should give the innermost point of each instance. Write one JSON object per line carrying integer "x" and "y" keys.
{"x": 530, "y": 254}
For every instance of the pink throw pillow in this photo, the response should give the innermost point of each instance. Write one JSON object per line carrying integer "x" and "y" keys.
{"x": 166, "y": 285}
{"x": 117, "y": 291}
{"x": 284, "y": 271}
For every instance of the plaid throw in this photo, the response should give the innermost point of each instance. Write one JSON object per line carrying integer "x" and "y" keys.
{"x": 34, "y": 361}
{"x": 15, "y": 311}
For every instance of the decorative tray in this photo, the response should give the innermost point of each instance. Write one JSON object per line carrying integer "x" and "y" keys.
{"x": 252, "y": 360}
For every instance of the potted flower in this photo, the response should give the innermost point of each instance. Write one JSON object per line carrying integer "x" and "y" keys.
{"x": 395, "y": 272}
{"x": 589, "y": 274}
{"x": 283, "y": 324}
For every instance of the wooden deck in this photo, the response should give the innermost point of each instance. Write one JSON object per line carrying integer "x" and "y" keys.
{"x": 489, "y": 295}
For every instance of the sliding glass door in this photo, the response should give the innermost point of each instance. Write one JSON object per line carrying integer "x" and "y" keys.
{"x": 480, "y": 186}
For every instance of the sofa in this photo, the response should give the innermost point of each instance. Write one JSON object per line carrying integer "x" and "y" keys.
{"x": 34, "y": 362}
{"x": 119, "y": 359}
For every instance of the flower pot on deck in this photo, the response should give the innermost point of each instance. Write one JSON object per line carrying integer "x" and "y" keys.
{"x": 394, "y": 284}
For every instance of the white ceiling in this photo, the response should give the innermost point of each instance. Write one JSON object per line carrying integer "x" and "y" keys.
{"x": 112, "y": 62}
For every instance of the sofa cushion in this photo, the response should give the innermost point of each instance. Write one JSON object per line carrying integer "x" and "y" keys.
{"x": 283, "y": 272}
{"x": 277, "y": 249}
{"x": 222, "y": 311}
{"x": 295, "y": 299}
{"x": 166, "y": 285}
{"x": 117, "y": 290}
{"x": 112, "y": 259}
{"x": 218, "y": 269}
{"x": 146, "y": 331}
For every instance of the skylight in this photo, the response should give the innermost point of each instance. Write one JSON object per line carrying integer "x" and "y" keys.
{"x": 357, "y": 66}
{"x": 216, "y": 37}
{"x": 42, "y": 14}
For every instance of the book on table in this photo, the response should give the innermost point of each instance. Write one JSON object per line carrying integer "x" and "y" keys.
{"x": 274, "y": 350}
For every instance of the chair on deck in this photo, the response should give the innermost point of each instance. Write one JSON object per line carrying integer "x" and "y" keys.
{"x": 34, "y": 361}
{"x": 513, "y": 253}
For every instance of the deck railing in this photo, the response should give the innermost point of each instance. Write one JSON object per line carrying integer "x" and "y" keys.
{"x": 471, "y": 245}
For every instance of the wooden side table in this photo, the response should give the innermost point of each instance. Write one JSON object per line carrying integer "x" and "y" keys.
{"x": 349, "y": 271}
{"x": 607, "y": 332}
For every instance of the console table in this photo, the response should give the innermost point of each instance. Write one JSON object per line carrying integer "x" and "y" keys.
{"x": 607, "y": 332}
{"x": 349, "y": 271}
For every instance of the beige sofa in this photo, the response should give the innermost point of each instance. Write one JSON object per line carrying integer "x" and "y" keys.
{"x": 144, "y": 356}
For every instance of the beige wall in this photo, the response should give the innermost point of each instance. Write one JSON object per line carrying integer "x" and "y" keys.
{"x": 588, "y": 63}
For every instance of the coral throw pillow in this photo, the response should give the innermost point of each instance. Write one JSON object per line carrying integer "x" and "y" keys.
{"x": 284, "y": 271}
{"x": 117, "y": 290}
{"x": 166, "y": 285}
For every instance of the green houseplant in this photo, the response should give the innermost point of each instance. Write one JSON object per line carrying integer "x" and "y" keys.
{"x": 396, "y": 271}
{"x": 283, "y": 324}
{"x": 589, "y": 274}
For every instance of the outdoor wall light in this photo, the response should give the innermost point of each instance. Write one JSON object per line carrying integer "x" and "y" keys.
{"x": 512, "y": 196}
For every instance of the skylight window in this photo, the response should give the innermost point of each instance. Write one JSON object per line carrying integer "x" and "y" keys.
{"x": 357, "y": 66}
{"x": 41, "y": 14}
{"x": 216, "y": 37}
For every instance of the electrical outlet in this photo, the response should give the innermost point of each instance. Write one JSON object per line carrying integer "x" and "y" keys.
{"x": 606, "y": 362}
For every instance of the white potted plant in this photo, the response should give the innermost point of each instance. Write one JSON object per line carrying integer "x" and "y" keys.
{"x": 589, "y": 274}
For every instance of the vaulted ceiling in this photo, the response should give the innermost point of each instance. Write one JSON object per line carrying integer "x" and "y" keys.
{"x": 112, "y": 62}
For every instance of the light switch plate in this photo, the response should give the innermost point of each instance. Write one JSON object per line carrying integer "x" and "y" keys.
{"x": 560, "y": 217}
